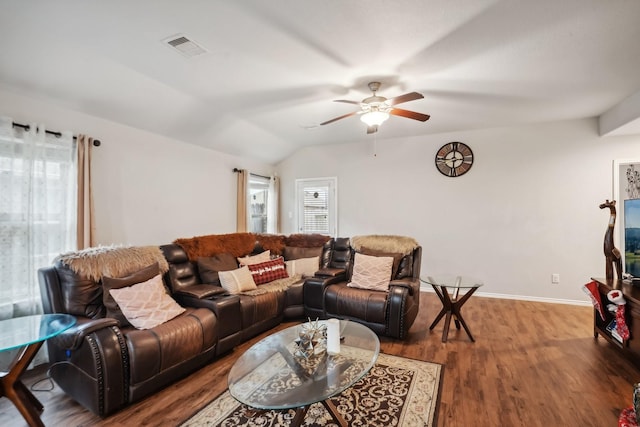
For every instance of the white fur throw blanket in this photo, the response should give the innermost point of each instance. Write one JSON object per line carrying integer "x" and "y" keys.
{"x": 113, "y": 261}
{"x": 385, "y": 243}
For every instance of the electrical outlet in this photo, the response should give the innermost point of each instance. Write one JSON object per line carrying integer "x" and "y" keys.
{"x": 555, "y": 278}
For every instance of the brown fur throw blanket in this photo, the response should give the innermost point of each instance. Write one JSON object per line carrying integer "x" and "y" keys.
{"x": 394, "y": 244}
{"x": 236, "y": 244}
{"x": 113, "y": 261}
{"x": 241, "y": 244}
{"x": 306, "y": 240}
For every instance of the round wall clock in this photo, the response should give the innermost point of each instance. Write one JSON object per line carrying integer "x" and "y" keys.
{"x": 454, "y": 159}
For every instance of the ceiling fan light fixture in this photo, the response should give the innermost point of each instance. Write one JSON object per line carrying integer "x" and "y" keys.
{"x": 374, "y": 118}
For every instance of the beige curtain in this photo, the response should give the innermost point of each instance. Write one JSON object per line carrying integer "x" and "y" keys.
{"x": 241, "y": 211}
{"x": 86, "y": 222}
{"x": 273, "y": 214}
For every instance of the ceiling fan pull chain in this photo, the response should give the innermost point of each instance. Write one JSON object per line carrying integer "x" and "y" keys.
{"x": 375, "y": 144}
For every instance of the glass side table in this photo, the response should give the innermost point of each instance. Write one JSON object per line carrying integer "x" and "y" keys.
{"x": 451, "y": 305}
{"x": 28, "y": 334}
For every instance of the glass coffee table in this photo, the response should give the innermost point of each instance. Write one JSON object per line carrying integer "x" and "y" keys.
{"x": 27, "y": 334}
{"x": 451, "y": 305}
{"x": 271, "y": 375}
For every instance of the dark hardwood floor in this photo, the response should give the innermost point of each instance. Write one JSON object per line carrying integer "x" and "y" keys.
{"x": 533, "y": 364}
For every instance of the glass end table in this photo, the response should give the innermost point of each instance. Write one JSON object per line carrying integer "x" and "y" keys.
{"x": 451, "y": 305}
{"x": 27, "y": 334}
{"x": 271, "y": 376}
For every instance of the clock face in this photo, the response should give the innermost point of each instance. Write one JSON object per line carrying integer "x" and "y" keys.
{"x": 454, "y": 159}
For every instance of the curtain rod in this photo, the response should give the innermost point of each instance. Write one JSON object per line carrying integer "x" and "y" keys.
{"x": 236, "y": 170}
{"x": 96, "y": 142}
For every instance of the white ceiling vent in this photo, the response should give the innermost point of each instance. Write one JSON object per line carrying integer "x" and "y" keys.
{"x": 185, "y": 45}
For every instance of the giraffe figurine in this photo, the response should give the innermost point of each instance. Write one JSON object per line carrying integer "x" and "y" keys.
{"x": 611, "y": 253}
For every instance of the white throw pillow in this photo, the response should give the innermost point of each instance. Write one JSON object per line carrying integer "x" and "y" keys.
{"x": 147, "y": 304}
{"x": 255, "y": 259}
{"x": 306, "y": 267}
{"x": 238, "y": 280}
{"x": 371, "y": 272}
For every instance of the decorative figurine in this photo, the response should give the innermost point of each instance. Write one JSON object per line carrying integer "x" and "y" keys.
{"x": 312, "y": 339}
{"x": 611, "y": 253}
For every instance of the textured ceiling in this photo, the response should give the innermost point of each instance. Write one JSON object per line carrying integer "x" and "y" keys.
{"x": 274, "y": 67}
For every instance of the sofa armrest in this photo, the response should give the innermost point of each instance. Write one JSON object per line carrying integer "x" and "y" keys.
{"x": 412, "y": 285}
{"x": 201, "y": 291}
{"x": 73, "y": 337}
{"x": 403, "y": 302}
{"x": 91, "y": 364}
{"x": 331, "y": 272}
{"x": 313, "y": 292}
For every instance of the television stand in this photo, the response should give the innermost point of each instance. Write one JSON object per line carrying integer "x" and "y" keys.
{"x": 631, "y": 293}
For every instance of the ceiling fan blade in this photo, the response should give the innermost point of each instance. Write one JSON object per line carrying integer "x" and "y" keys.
{"x": 409, "y": 114}
{"x": 411, "y": 96}
{"x": 346, "y": 101}
{"x": 372, "y": 129}
{"x": 340, "y": 117}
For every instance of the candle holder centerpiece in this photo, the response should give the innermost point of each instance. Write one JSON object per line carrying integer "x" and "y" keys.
{"x": 312, "y": 339}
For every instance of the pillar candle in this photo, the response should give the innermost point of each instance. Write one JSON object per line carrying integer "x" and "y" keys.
{"x": 333, "y": 336}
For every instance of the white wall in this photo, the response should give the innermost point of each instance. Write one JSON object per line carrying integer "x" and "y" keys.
{"x": 148, "y": 189}
{"x": 527, "y": 208}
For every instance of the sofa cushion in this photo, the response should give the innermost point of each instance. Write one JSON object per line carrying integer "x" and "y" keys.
{"x": 147, "y": 304}
{"x": 371, "y": 272}
{"x": 108, "y": 283}
{"x": 208, "y": 267}
{"x": 81, "y": 296}
{"x": 255, "y": 259}
{"x": 306, "y": 267}
{"x": 291, "y": 252}
{"x": 170, "y": 344}
{"x": 268, "y": 271}
{"x": 367, "y": 305}
{"x": 397, "y": 257}
{"x": 238, "y": 280}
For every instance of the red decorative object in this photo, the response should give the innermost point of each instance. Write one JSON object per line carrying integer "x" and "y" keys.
{"x": 617, "y": 298}
{"x": 621, "y": 323}
{"x": 591, "y": 289}
{"x": 268, "y": 271}
{"x": 628, "y": 418}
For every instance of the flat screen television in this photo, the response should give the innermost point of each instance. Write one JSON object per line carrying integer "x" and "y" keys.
{"x": 632, "y": 237}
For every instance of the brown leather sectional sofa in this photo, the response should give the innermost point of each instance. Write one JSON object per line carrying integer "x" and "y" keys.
{"x": 105, "y": 366}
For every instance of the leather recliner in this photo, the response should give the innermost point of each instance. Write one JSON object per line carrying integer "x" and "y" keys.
{"x": 104, "y": 366}
{"x": 386, "y": 313}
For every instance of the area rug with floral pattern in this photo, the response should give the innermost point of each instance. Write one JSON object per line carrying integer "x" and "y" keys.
{"x": 396, "y": 392}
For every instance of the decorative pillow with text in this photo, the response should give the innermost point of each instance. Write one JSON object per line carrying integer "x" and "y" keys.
{"x": 268, "y": 271}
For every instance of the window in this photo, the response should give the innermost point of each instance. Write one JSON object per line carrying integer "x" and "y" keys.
{"x": 258, "y": 203}
{"x": 317, "y": 207}
{"x": 37, "y": 211}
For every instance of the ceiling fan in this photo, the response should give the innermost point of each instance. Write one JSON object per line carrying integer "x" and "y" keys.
{"x": 376, "y": 109}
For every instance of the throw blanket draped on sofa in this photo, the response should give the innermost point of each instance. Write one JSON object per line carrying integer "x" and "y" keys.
{"x": 113, "y": 261}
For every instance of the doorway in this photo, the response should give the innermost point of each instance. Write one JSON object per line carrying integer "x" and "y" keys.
{"x": 317, "y": 206}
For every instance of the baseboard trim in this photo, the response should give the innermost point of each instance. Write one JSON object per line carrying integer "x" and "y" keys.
{"x": 522, "y": 298}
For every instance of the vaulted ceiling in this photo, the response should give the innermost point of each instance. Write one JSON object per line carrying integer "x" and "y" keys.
{"x": 272, "y": 68}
